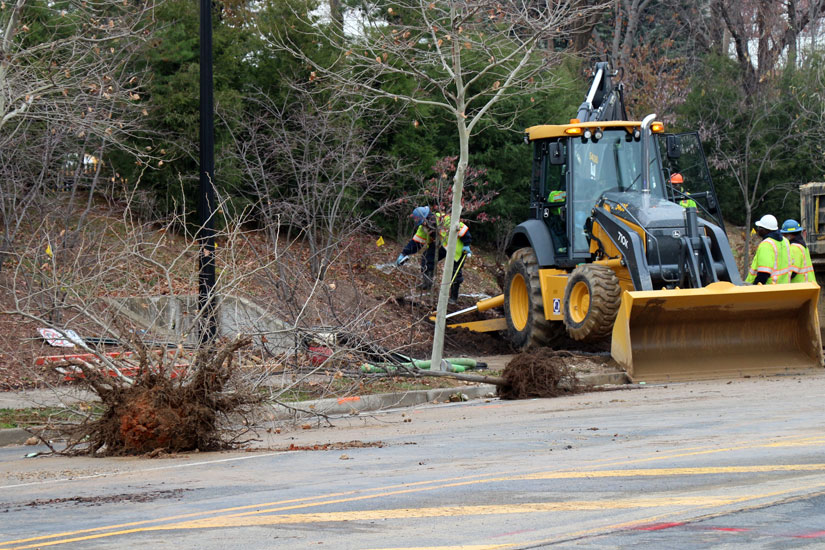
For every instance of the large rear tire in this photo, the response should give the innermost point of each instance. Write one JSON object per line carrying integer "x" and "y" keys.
{"x": 591, "y": 301}
{"x": 523, "y": 306}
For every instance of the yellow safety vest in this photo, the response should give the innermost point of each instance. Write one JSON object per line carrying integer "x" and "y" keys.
{"x": 557, "y": 197}
{"x": 442, "y": 224}
{"x": 802, "y": 270}
{"x": 774, "y": 258}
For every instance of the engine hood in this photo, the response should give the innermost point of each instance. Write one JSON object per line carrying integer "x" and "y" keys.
{"x": 642, "y": 209}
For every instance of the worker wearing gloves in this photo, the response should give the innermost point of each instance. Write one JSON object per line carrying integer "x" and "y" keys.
{"x": 801, "y": 267}
{"x": 771, "y": 263}
{"x": 432, "y": 231}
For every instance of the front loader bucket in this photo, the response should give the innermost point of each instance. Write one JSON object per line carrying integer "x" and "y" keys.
{"x": 720, "y": 331}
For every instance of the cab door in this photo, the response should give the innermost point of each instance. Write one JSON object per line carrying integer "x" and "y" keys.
{"x": 683, "y": 154}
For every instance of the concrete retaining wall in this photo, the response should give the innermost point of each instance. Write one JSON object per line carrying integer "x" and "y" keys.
{"x": 175, "y": 318}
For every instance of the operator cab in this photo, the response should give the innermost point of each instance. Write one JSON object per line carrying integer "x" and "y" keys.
{"x": 573, "y": 174}
{"x": 611, "y": 168}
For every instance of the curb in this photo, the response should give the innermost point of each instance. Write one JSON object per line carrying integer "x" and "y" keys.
{"x": 376, "y": 402}
{"x": 13, "y": 436}
{"x": 366, "y": 403}
{"x": 383, "y": 401}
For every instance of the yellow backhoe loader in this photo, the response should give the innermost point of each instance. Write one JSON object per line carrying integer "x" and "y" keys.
{"x": 614, "y": 249}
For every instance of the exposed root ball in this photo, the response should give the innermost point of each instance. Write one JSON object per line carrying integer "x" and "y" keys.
{"x": 154, "y": 411}
{"x": 147, "y": 423}
{"x": 538, "y": 373}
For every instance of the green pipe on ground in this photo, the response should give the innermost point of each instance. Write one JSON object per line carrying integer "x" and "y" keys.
{"x": 370, "y": 368}
{"x": 455, "y": 361}
{"x": 419, "y": 363}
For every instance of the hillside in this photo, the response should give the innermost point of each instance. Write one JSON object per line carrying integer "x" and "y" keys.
{"x": 362, "y": 294}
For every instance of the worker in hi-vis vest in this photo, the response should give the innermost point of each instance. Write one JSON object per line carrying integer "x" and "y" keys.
{"x": 802, "y": 269}
{"x": 677, "y": 182}
{"x": 771, "y": 263}
{"x": 432, "y": 231}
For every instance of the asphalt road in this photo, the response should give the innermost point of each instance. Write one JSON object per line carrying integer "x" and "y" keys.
{"x": 737, "y": 464}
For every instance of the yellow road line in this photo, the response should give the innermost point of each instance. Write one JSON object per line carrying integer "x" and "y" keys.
{"x": 306, "y": 502}
{"x": 409, "y": 513}
{"x": 674, "y": 471}
{"x": 548, "y": 475}
{"x": 658, "y": 518}
{"x": 790, "y": 442}
{"x": 292, "y": 504}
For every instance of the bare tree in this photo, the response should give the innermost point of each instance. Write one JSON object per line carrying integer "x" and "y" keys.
{"x": 312, "y": 165}
{"x": 626, "y": 19}
{"x": 128, "y": 289}
{"x": 747, "y": 120}
{"x": 749, "y": 146}
{"x": 764, "y": 37}
{"x": 583, "y": 32}
{"x": 461, "y": 57}
{"x": 67, "y": 94}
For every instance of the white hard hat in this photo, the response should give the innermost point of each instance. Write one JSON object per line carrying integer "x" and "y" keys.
{"x": 767, "y": 222}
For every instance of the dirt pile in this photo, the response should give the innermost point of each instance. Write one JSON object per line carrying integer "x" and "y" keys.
{"x": 158, "y": 412}
{"x": 150, "y": 420}
{"x": 540, "y": 373}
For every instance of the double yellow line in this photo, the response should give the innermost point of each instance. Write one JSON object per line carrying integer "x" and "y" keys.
{"x": 267, "y": 513}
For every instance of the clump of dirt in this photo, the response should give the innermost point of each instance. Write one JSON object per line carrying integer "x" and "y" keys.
{"x": 153, "y": 419}
{"x": 156, "y": 411}
{"x": 99, "y": 500}
{"x": 337, "y": 446}
{"x": 539, "y": 373}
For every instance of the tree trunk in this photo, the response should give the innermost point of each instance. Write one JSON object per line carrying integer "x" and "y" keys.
{"x": 618, "y": 23}
{"x": 336, "y": 15}
{"x": 449, "y": 261}
{"x": 748, "y": 215}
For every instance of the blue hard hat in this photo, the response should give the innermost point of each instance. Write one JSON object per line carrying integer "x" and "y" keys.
{"x": 791, "y": 226}
{"x": 420, "y": 213}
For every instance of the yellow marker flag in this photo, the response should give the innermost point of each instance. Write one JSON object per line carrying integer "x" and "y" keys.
{"x": 49, "y": 251}
{"x": 380, "y": 241}
{"x": 753, "y": 231}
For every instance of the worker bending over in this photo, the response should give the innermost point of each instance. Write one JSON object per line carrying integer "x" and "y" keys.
{"x": 432, "y": 231}
{"x": 802, "y": 269}
{"x": 771, "y": 263}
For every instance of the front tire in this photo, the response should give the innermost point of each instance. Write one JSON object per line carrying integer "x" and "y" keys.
{"x": 523, "y": 305}
{"x": 591, "y": 301}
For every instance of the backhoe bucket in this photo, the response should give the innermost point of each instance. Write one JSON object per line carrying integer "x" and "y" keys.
{"x": 720, "y": 331}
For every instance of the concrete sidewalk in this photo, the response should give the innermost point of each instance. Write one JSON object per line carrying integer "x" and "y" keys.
{"x": 353, "y": 405}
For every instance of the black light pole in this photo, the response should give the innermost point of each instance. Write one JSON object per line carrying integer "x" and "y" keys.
{"x": 206, "y": 189}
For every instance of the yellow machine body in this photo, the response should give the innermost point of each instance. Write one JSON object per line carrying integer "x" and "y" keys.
{"x": 617, "y": 247}
{"x": 719, "y": 331}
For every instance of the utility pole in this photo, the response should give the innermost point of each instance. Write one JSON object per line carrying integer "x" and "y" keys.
{"x": 206, "y": 188}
